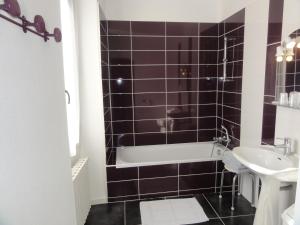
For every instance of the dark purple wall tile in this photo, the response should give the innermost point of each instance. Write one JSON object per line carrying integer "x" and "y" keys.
{"x": 123, "y": 140}
{"x": 181, "y": 137}
{"x": 208, "y": 43}
{"x": 206, "y": 110}
{"x": 120, "y": 57}
{"x": 143, "y": 126}
{"x": 149, "y": 85}
{"x": 158, "y": 171}
{"x": 208, "y": 29}
{"x": 148, "y": 28}
{"x": 196, "y": 181}
{"x": 182, "y": 43}
{"x": 144, "y": 57}
{"x": 235, "y": 21}
{"x": 122, "y": 114}
{"x": 121, "y": 86}
{"x": 197, "y": 168}
{"x": 206, "y": 135}
{"x": 182, "y": 111}
{"x": 141, "y": 113}
{"x": 207, "y": 97}
{"x": 232, "y": 99}
{"x": 208, "y": 57}
{"x": 150, "y": 139}
{"x": 269, "y": 119}
{"x": 122, "y": 188}
{"x": 207, "y": 122}
{"x": 208, "y": 70}
{"x": 148, "y": 43}
{"x": 104, "y": 72}
{"x": 145, "y": 72}
{"x": 125, "y": 127}
{"x": 119, "y": 42}
{"x": 270, "y": 77}
{"x": 121, "y": 100}
{"x": 207, "y": 85}
{"x": 181, "y": 85}
{"x": 158, "y": 185}
{"x": 275, "y": 21}
{"x": 232, "y": 114}
{"x": 182, "y": 29}
{"x": 123, "y": 72}
{"x": 118, "y": 27}
{"x": 182, "y": 98}
{"x": 184, "y": 124}
{"x": 234, "y": 85}
{"x": 182, "y": 71}
{"x": 150, "y": 99}
{"x": 114, "y": 174}
{"x": 182, "y": 57}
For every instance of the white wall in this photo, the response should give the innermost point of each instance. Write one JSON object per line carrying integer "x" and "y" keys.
{"x": 92, "y": 139}
{"x": 163, "y": 10}
{"x": 287, "y": 120}
{"x": 35, "y": 173}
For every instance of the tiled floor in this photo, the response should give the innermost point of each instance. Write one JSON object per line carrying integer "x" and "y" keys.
{"x": 217, "y": 210}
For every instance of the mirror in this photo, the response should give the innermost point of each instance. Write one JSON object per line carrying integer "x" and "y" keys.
{"x": 288, "y": 72}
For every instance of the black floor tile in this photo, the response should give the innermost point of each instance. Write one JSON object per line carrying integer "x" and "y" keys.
{"x": 244, "y": 220}
{"x": 210, "y": 213}
{"x": 133, "y": 215}
{"x": 223, "y": 205}
{"x": 106, "y": 214}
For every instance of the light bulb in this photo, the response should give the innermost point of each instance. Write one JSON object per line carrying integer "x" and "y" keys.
{"x": 289, "y": 58}
{"x": 298, "y": 45}
{"x": 279, "y": 58}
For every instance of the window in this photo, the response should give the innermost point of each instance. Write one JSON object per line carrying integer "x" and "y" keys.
{"x": 70, "y": 72}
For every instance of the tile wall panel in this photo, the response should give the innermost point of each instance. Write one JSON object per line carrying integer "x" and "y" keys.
{"x": 149, "y": 182}
{"x": 274, "y": 39}
{"x": 161, "y": 87}
{"x": 229, "y": 92}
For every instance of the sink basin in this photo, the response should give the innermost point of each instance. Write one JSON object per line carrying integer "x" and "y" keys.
{"x": 264, "y": 161}
{"x": 272, "y": 168}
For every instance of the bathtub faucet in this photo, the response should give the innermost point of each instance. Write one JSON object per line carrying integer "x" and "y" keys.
{"x": 224, "y": 138}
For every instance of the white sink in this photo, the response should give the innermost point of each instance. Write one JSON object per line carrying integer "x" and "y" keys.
{"x": 264, "y": 161}
{"x": 272, "y": 168}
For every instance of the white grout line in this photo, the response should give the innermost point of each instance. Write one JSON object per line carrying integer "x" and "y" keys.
{"x": 213, "y": 209}
{"x": 132, "y": 83}
{"x": 109, "y": 75}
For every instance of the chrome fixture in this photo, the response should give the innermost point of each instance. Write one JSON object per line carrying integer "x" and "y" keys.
{"x": 225, "y": 60}
{"x": 286, "y": 146}
{"x": 224, "y": 138}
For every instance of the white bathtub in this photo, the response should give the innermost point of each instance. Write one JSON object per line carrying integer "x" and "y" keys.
{"x": 133, "y": 156}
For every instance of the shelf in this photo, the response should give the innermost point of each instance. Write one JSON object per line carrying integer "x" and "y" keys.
{"x": 285, "y": 106}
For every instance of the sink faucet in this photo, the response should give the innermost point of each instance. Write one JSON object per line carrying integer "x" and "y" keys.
{"x": 286, "y": 146}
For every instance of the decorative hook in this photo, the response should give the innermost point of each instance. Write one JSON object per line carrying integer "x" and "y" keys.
{"x": 12, "y": 7}
{"x": 56, "y": 34}
{"x": 38, "y": 24}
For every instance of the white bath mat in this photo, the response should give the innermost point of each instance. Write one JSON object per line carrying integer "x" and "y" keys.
{"x": 172, "y": 212}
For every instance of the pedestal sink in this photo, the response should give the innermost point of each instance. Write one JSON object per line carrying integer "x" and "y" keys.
{"x": 272, "y": 168}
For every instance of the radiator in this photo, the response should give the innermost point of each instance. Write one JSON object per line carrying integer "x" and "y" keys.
{"x": 81, "y": 190}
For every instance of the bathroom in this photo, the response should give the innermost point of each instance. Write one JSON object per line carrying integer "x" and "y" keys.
{"x": 131, "y": 112}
